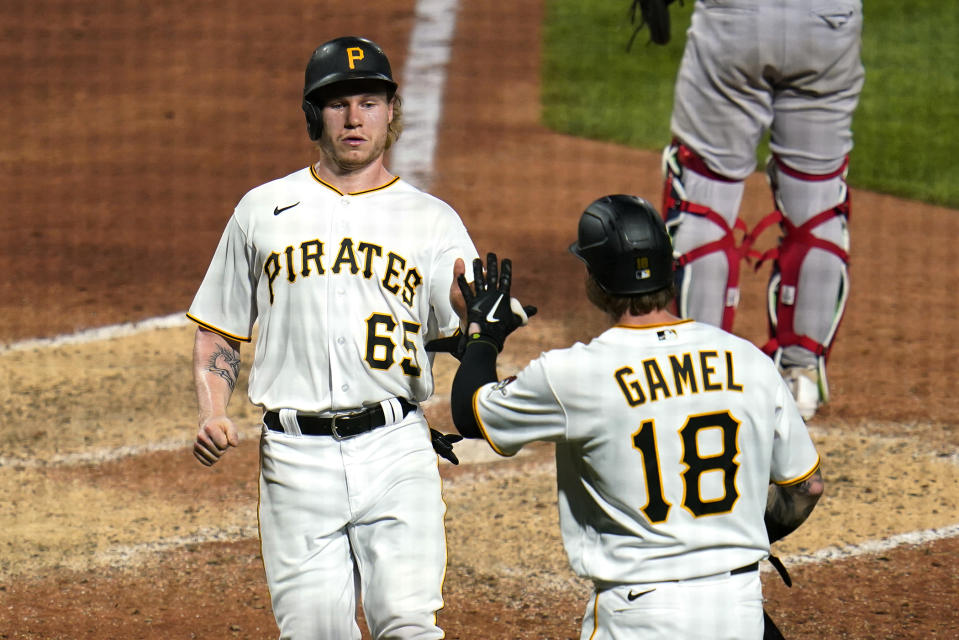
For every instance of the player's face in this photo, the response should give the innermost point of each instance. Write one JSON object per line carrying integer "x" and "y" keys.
{"x": 355, "y": 129}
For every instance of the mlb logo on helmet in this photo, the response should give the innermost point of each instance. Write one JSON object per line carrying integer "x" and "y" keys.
{"x": 642, "y": 268}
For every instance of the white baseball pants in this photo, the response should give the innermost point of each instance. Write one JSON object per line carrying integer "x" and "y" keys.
{"x": 369, "y": 507}
{"x": 720, "y": 607}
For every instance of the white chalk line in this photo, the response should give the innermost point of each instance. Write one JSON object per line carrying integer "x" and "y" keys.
{"x": 95, "y": 456}
{"x": 424, "y": 81}
{"x": 125, "y": 556}
{"x": 872, "y": 547}
{"x": 99, "y": 334}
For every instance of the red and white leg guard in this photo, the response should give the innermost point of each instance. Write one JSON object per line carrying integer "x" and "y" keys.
{"x": 809, "y": 284}
{"x": 700, "y": 208}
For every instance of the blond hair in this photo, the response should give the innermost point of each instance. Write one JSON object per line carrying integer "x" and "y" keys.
{"x": 395, "y": 127}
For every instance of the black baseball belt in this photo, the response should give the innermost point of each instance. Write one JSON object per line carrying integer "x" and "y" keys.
{"x": 749, "y": 568}
{"x": 340, "y": 426}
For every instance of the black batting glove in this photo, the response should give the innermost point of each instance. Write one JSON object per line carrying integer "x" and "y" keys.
{"x": 455, "y": 345}
{"x": 443, "y": 444}
{"x": 490, "y": 305}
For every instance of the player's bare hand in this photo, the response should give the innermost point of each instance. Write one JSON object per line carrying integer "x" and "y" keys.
{"x": 456, "y": 343}
{"x": 215, "y": 437}
{"x": 456, "y": 295}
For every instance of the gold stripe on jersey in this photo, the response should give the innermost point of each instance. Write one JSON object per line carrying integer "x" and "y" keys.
{"x": 592, "y": 636}
{"x": 653, "y": 326}
{"x": 359, "y": 193}
{"x": 225, "y": 334}
{"x": 482, "y": 428}
{"x": 351, "y": 193}
{"x": 446, "y": 546}
{"x": 802, "y": 478}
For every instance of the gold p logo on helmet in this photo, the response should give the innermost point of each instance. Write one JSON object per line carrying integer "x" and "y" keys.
{"x": 353, "y": 55}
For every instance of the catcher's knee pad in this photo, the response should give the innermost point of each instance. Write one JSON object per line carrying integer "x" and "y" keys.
{"x": 809, "y": 284}
{"x": 700, "y": 208}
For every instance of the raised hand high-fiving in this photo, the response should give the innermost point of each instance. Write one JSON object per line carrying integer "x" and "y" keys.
{"x": 491, "y": 312}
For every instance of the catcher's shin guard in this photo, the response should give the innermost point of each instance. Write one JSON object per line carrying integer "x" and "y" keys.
{"x": 809, "y": 284}
{"x": 700, "y": 208}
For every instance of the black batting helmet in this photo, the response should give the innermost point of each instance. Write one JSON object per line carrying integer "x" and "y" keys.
{"x": 343, "y": 59}
{"x": 623, "y": 241}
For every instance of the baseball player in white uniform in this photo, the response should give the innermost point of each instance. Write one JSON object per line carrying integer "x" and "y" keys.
{"x": 792, "y": 68}
{"x": 668, "y": 434}
{"x": 346, "y": 269}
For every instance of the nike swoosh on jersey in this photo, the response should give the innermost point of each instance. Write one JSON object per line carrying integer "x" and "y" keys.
{"x": 489, "y": 316}
{"x": 632, "y": 596}
{"x": 278, "y": 210}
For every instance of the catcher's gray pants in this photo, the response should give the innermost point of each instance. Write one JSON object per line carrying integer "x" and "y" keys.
{"x": 790, "y": 67}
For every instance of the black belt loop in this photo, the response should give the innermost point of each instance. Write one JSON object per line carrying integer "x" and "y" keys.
{"x": 342, "y": 426}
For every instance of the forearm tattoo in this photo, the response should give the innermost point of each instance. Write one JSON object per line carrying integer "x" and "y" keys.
{"x": 226, "y": 364}
{"x": 789, "y": 507}
{"x": 784, "y": 510}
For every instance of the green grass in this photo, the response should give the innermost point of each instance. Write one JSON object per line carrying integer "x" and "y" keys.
{"x": 905, "y": 129}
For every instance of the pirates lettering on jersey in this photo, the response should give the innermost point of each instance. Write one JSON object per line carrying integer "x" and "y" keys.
{"x": 677, "y": 375}
{"x": 307, "y": 260}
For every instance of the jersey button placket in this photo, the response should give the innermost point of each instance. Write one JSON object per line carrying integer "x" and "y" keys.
{"x": 339, "y": 228}
{"x": 346, "y": 449}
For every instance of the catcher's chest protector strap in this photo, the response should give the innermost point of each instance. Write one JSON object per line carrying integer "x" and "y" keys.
{"x": 794, "y": 244}
{"x": 674, "y": 204}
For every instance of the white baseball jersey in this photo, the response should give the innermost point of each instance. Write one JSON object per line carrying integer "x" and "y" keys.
{"x": 667, "y": 437}
{"x": 335, "y": 281}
